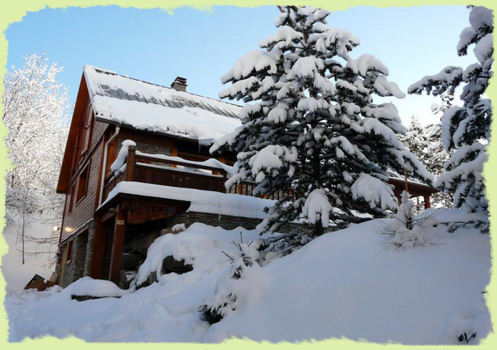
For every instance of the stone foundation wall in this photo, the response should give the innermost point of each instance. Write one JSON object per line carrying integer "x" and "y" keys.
{"x": 79, "y": 263}
{"x": 89, "y": 249}
{"x": 73, "y": 269}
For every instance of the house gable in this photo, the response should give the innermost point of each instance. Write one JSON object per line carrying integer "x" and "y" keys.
{"x": 72, "y": 138}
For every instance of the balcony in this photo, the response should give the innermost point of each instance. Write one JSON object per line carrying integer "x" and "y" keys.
{"x": 177, "y": 172}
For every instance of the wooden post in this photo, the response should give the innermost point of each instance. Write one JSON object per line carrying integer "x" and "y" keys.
{"x": 97, "y": 261}
{"x": 405, "y": 179}
{"x": 427, "y": 201}
{"x": 131, "y": 163}
{"x": 117, "y": 247}
{"x": 225, "y": 178}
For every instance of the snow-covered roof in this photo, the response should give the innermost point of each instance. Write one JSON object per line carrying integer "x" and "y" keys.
{"x": 200, "y": 200}
{"x": 122, "y": 100}
{"x": 394, "y": 175}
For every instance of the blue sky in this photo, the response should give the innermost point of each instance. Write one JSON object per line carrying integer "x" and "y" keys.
{"x": 155, "y": 46}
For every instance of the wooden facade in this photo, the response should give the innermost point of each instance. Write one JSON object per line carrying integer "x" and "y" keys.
{"x": 95, "y": 232}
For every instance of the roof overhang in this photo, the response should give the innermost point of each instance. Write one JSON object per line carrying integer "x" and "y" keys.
{"x": 154, "y": 132}
{"x": 122, "y": 197}
{"x": 415, "y": 188}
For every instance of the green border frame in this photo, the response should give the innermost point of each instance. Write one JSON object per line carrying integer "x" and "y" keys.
{"x": 14, "y": 10}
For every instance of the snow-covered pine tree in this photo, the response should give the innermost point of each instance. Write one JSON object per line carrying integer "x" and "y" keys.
{"x": 35, "y": 111}
{"x": 426, "y": 144}
{"x": 312, "y": 129}
{"x": 466, "y": 129}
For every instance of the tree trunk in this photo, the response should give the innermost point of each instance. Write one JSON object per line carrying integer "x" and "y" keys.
{"x": 23, "y": 227}
{"x": 318, "y": 228}
{"x": 316, "y": 169}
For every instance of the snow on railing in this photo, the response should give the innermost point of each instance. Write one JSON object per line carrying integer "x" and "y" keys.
{"x": 210, "y": 174}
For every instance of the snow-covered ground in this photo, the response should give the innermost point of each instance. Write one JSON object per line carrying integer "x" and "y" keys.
{"x": 352, "y": 283}
{"x": 16, "y": 274}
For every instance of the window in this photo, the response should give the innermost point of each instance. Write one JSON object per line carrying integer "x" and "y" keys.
{"x": 83, "y": 183}
{"x": 86, "y": 129}
{"x": 84, "y": 137}
{"x": 71, "y": 199}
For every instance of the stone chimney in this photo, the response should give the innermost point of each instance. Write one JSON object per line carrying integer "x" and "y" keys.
{"x": 179, "y": 84}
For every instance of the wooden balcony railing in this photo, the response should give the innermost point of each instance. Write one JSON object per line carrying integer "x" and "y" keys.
{"x": 177, "y": 173}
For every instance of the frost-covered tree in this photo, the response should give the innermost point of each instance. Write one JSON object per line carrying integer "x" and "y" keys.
{"x": 35, "y": 110}
{"x": 466, "y": 129}
{"x": 426, "y": 144}
{"x": 312, "y": 130}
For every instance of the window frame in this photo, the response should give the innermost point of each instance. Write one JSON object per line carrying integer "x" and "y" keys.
{"x": 87, "y": 129}
{"x": 82, "y": 190}
{"x": 71, "y": 199}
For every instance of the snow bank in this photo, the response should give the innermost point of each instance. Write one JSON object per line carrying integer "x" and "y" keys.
{"x": 88, "y": 286}
{"x": 199, "y": 245}
{"x": 350, "y": 283}
{"x": 17, "y": 274}
{"x": 201, "y": 201}
{"x": 374, "y": 291}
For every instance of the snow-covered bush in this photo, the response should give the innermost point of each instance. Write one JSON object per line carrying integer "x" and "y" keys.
{"x": 279, "y": 245}
{"x": 196, "y": 250}
{"x": 469, "y": 324}
{"x": 407, "y": 231}
{"x": 313, "y": 132}
{"x": 417, "y": 236}
{"x": 466, "y": 129}
{"x": 243, "y": 274}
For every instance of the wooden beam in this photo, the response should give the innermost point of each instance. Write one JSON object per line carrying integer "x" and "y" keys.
{"x": 117, "y": 247}
{"x": 108, "y": 215}
{"x": 131, "y": 163}
{"x": 427, "y": 201}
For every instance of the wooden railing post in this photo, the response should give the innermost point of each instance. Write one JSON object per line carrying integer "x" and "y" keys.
{"x": 225, "y": 178}
{"x": 131, "y": 163}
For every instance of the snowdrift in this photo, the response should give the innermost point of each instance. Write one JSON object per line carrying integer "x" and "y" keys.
{"x": 350, "y": 283}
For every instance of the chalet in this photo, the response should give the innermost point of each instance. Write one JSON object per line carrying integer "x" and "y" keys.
{"x": 136, "y": 164}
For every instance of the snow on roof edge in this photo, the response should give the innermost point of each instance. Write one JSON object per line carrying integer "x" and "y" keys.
{"x": 203, "y": 201}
